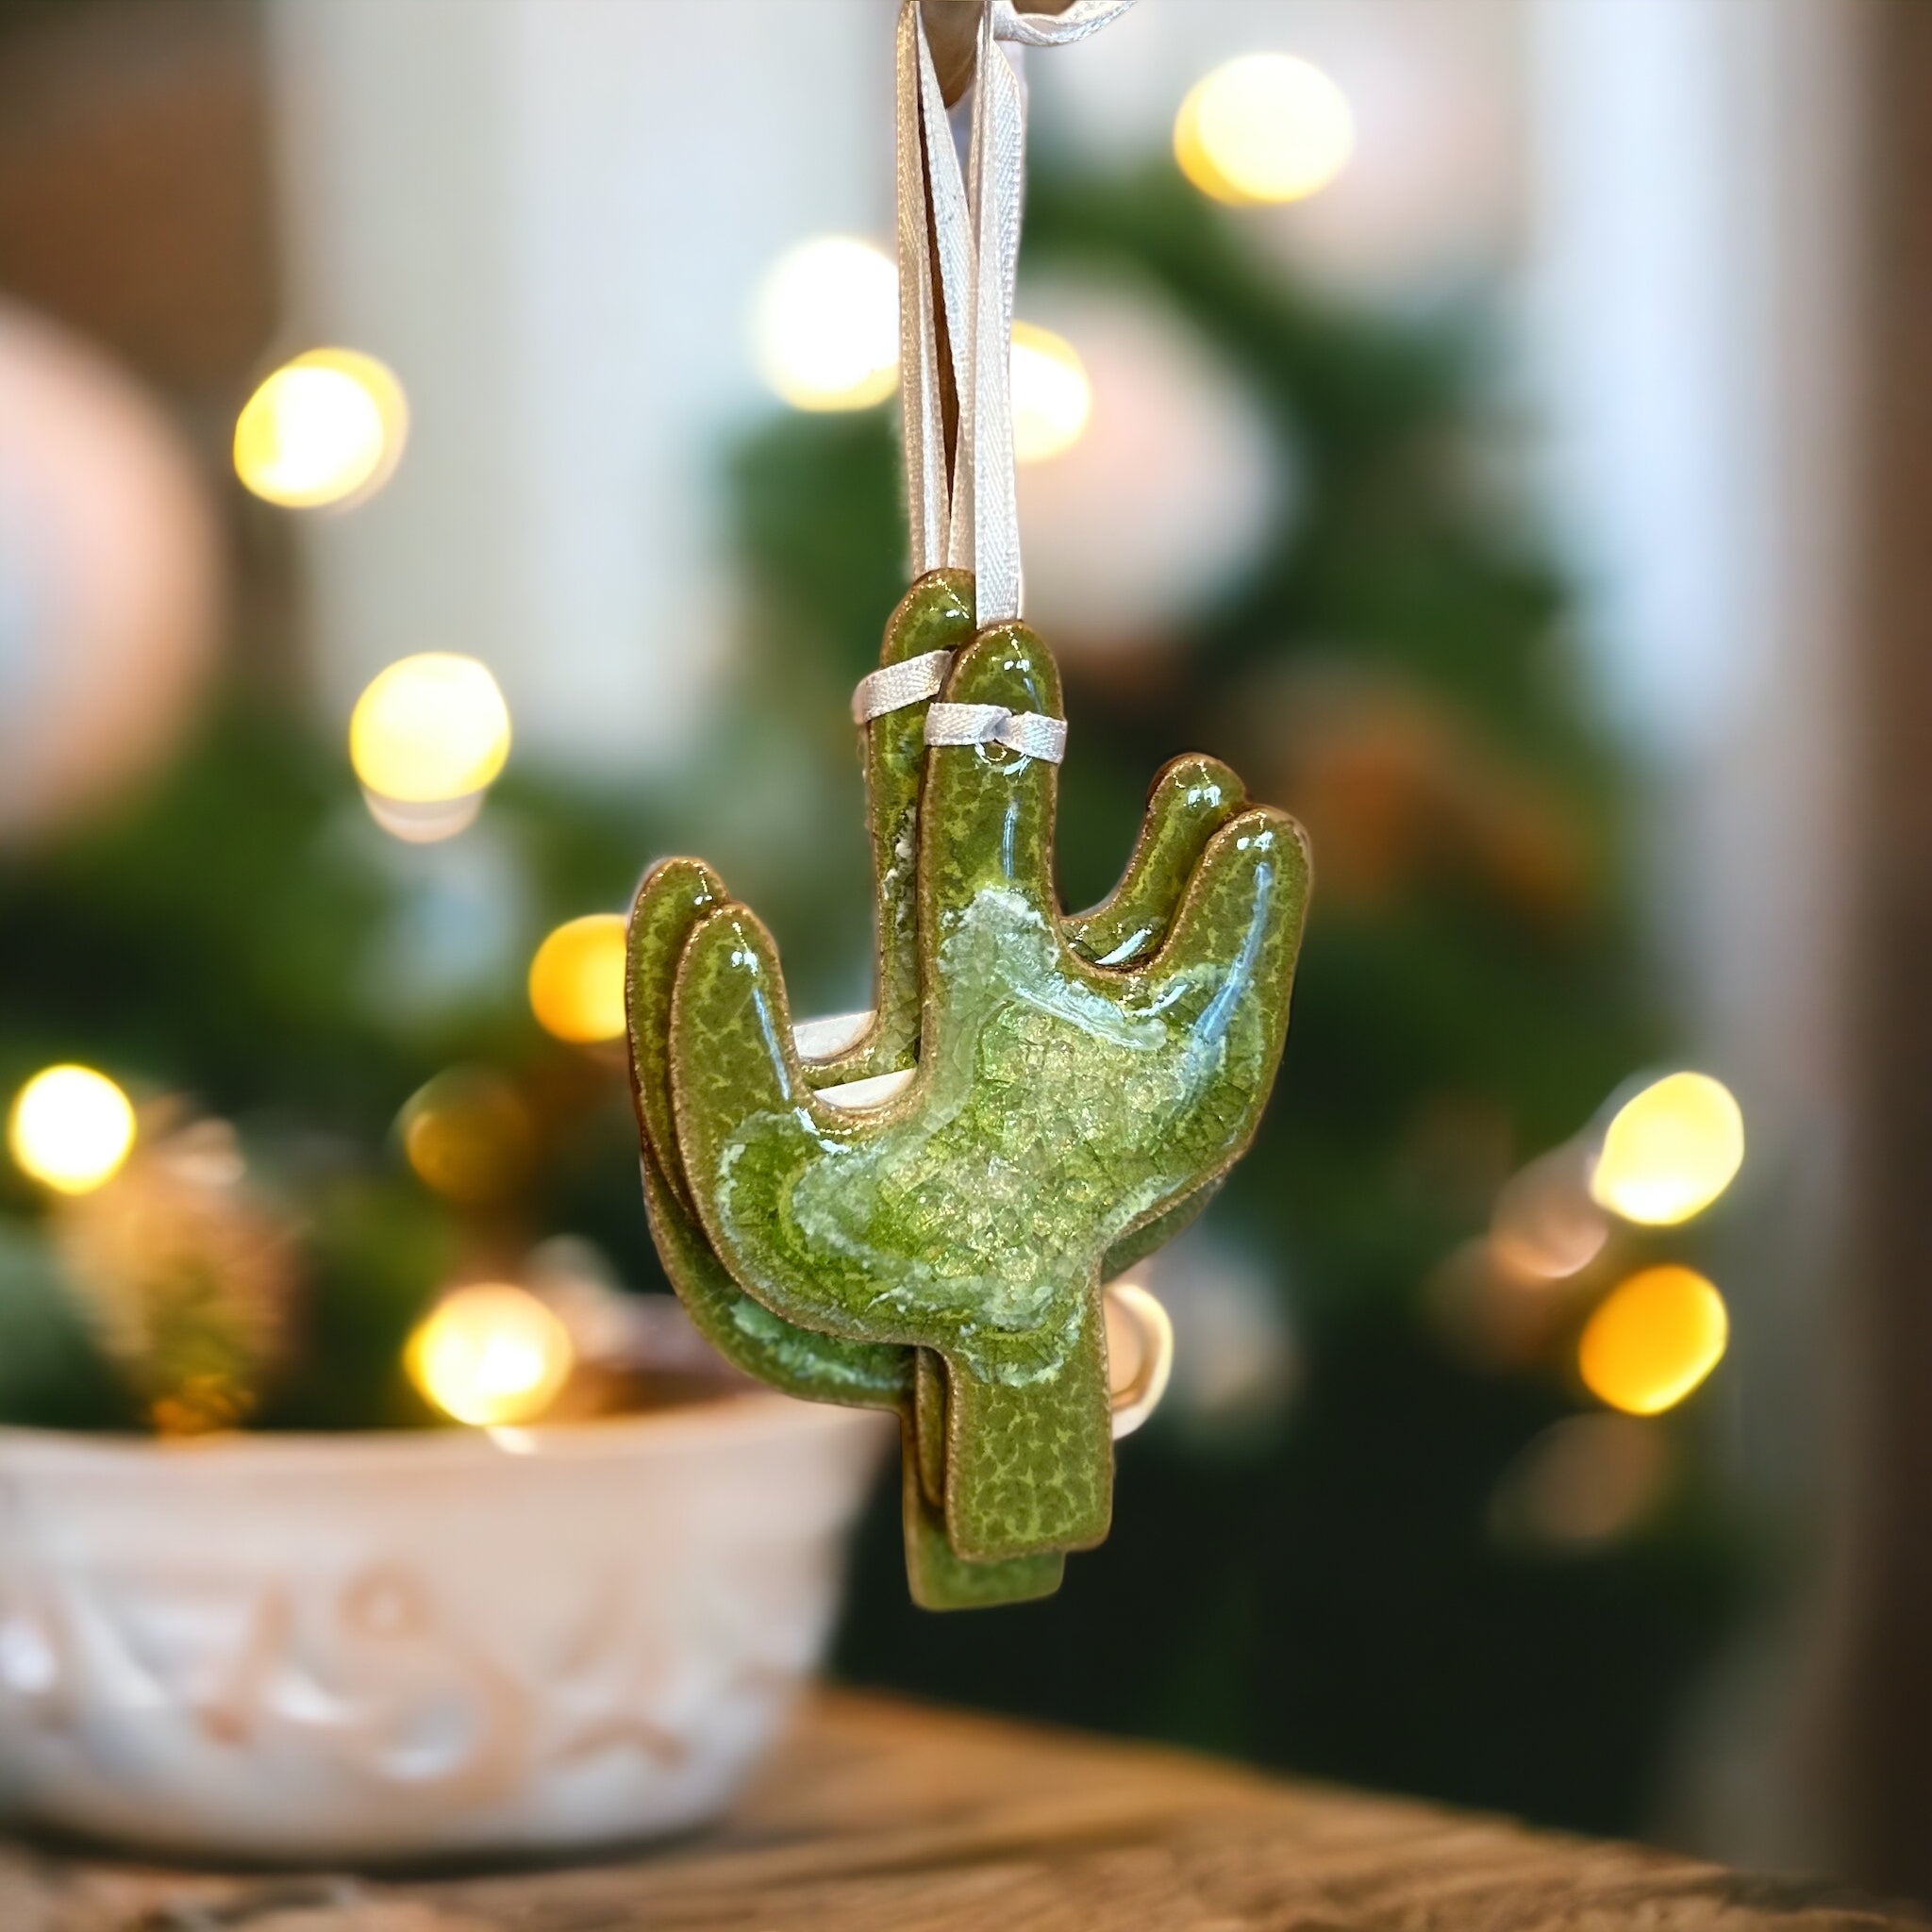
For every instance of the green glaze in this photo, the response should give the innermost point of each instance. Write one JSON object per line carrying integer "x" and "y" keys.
{"x": 1188, "y": 801}
{"x": 821, "y": 1368}
{"x": 941, "y": 1580}
{"x": 936, "y": 614}
{"x": 800, "y": 1362}
{"x": 1059, "y": 1107}
{"x": 675, "y": 896}
{"x": 1191, "y": 798}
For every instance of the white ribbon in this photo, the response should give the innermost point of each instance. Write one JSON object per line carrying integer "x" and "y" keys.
{"x": 1031, "y": 733}
{"x": 892, "y": 687}
{"x": 974, "y": 235}
{"x": 932, "y": 221}
{"x": 966, "y": 233}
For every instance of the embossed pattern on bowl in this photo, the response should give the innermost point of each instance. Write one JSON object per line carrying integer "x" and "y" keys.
{"x": 404, "y": 1645}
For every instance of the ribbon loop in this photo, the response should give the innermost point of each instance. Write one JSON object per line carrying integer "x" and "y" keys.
{"x": 932, "y": 227}
{"x": 966, "y": 237}
{"x": 1033, "y": 734}
{"x": 892, "y": 687}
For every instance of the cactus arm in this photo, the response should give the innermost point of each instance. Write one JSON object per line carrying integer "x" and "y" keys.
{"x": 1191, "y": 799}
{"x": 674, "y": 897}
{"x": 936, "y": 614}
{"x": 1224, "y": 973}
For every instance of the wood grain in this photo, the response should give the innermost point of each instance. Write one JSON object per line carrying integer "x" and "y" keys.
{"x": 886, "y": 1817}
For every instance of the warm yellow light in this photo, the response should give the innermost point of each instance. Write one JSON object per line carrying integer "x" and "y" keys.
{"x": 1669, "y": 1151}
{"x": 1265, "y": 128}
{"x": 577, "y": 979}
{"x": 1653, "y": 1340}
{"x": 489, "y": 1354}
{"x": 71, "y": 1128}
{"x": 1052, "y": 396}
{"x": 325, "y": 428}
{"x": 429, "y": 730}
{"x": 826, "y": 325}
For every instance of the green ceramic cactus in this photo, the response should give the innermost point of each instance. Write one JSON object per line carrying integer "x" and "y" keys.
{"x": 821, "y": 1368}
{"x": 1060, "y": 1109}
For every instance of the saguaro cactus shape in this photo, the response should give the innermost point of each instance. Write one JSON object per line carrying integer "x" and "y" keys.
{"x": 1191, "y": 797}
{"x": 1059, "y": 1108}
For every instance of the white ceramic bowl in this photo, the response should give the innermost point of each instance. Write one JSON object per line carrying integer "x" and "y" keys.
{"x": 391, "y": 1646}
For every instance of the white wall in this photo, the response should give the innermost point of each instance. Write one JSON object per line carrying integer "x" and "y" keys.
{"x": 548, "y": 215}
{"x": 1696, "y": 276}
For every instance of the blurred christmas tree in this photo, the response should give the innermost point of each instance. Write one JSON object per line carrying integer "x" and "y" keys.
{"x": 1379, "y": 1533}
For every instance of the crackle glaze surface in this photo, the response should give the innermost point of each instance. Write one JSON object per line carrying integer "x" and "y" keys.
{"x": 1059, "y": 1108}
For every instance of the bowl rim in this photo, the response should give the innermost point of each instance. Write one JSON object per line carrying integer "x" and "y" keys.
{"x": 757, "y": 1416}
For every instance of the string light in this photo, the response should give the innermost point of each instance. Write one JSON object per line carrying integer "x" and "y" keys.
{"x": 1669, "y": 1151}
{"x": 489, "y": 1354}
{"x": 826, "y": 325}
{"x": 1052, "y": 396}
{"x": 577, "y": 979}
{"x": 427, "y": 738}
{"x": 324, "y": 428}
{"x": 1267, "y": 127}
{"x": 1653, "y": 1340}
{"x": 71, "y": 1129}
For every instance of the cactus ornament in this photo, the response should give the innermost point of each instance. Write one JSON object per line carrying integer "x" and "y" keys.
{"x": 1059, "y": 1108}
{"x": 1192, "y": 798}
{"x": 922, "y": 1215}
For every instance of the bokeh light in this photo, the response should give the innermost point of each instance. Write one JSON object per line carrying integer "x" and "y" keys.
{"x": 71, "y": 1128}
{"x": 1653, "y": 1340}
{"x": 1544, "y": 1226}
{"x": 467, "y": 1135}
{"x": 426, "y": 738}
{"x": 1669, "y": 1151}
{"x": 826, "y": 325}
{"x": 1267, "y": 127}
{"x": 577, "y": 979}
{"x": 324, "y": 428}
{"x": 1052, "y": 396}
{"x": 1582, "y": 1483}
{"x": 489, "y": 1354}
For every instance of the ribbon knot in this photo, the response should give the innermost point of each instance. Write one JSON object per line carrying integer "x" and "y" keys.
{"x": 1032, "y": 734}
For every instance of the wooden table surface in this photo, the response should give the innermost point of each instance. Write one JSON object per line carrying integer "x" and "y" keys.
{"x": 887, "y": 1817}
